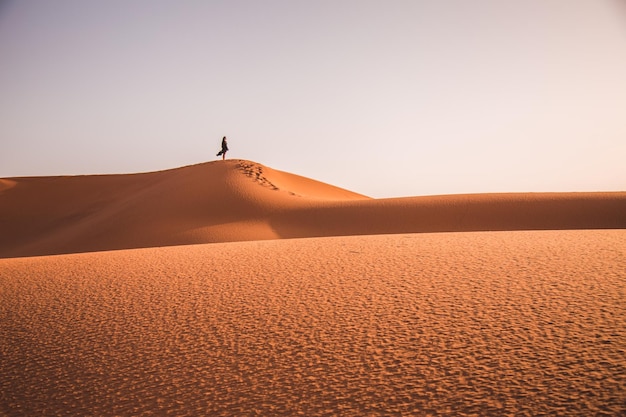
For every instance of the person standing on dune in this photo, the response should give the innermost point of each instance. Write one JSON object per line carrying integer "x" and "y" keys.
{"x": 224, "y": 148}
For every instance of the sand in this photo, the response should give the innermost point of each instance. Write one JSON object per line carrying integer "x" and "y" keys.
{"x": 483, "y": 323}
{"x": 485, "y": 317}
{"x": 242, "y": 200}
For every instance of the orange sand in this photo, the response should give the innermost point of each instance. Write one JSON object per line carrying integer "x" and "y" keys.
{"x": 484, "y": 323}
{"x": 242, "y": 200}
{"x": 515, "y": 311}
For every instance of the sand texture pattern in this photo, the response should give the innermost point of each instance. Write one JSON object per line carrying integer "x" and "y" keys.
{"x": 240, "y": 200}
{"x": 478, "y": 323}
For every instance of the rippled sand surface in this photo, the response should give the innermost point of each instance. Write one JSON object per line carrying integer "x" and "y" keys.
{"x": 482, "y": 323}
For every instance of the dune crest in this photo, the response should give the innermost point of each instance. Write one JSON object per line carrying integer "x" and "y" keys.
{"x": 237, "y": 200}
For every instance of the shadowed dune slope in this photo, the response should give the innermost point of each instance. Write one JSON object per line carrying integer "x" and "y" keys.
{"x": 240, "y": 200}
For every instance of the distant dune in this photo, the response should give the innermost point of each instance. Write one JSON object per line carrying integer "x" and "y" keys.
{"x": 240, "y": 200}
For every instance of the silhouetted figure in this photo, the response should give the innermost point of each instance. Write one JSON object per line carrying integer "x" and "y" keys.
{"x": 224, "y": 148}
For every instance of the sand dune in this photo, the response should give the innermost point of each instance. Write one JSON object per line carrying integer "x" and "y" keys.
{"x": 478, "y": 323}
{"x": 241, "y": 200}
{"x": 212, "y": 202}
{"x": 518, "y": 315}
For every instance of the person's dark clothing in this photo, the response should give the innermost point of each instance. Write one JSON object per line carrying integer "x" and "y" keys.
{"x": 224, "y": 147}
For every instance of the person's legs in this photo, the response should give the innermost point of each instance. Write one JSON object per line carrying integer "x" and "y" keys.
{"x": 224, "y": 156}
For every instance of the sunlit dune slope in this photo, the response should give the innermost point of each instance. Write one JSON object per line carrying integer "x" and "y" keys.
{"x": 211, "y": 202}
{"x": 240, "y": 200}
{"x": 445, "y": 324}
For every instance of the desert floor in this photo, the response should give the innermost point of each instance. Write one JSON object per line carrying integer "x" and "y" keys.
{"x": 474, "y": 323}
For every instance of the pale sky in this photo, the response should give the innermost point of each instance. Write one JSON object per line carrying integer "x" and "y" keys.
{"x": 387, "y": 98}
